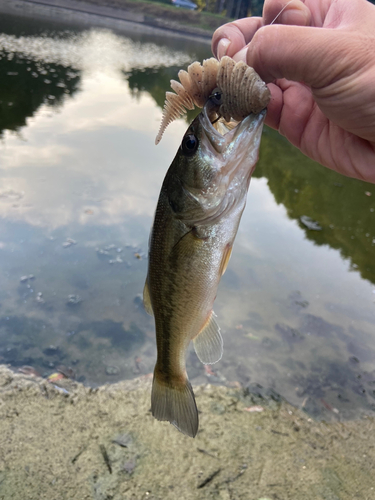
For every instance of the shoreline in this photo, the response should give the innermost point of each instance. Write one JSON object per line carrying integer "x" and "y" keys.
{"x": 90, "y": 14}
{"x": 70, "y": 441}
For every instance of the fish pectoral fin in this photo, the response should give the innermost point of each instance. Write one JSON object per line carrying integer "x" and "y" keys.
{"x": 175, "y": 402}
{"x": 147, "y": 300}
{"x": 225, "y": 259}
{"x": 208, "y": 344}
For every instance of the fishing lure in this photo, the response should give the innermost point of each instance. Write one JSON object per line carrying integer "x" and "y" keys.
{"x": 237, "y": 88}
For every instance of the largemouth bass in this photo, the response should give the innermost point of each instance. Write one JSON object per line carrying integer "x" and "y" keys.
{"x": 197, "y": 216}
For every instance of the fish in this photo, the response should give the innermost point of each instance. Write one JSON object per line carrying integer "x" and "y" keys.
{"x": 198, "y": 213}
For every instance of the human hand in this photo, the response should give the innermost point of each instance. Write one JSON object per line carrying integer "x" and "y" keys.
{"x": 319, "y": 61}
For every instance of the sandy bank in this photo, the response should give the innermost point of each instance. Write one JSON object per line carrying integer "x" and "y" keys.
{"x": 78, "y": 443}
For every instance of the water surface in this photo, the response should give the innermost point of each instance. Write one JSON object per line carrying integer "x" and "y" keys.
{"x": 79, "y": 181}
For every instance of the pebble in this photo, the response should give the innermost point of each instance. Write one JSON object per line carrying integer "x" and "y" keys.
{"x": 51, "y": 350}
{"x": 254, "y": 409}
{"x": 111, "y": 370}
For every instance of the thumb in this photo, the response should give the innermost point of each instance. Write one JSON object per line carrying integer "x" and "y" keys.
{"x": 315, "y": 56}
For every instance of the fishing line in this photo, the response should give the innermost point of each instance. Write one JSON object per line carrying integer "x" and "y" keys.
{"x": 281, "y": 11}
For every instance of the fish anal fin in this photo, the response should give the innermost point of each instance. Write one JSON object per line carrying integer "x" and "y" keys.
{"x": 208, "y": 343}
{"x": 225, "y": 259}
{"x": 176, "y": 404}
{"x": 147, "y": 300}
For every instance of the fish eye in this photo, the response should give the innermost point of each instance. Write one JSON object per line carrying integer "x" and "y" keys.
{"x": 217, "y": 97}
{"x": 189, "y": 144}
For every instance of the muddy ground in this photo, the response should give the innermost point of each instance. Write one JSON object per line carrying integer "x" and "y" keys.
{"x": 73, "y": 442}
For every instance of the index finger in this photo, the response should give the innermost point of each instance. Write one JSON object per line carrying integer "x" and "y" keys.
{"x": 232, "y": 37}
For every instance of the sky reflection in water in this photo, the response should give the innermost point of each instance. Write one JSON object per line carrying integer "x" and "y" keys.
{"x": 80, "y": 177}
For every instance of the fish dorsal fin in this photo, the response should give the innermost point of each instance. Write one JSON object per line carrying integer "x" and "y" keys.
{"x": 147, "y": 300}
{"x": 225, "y": 259}
{"x": 208, "y": 344}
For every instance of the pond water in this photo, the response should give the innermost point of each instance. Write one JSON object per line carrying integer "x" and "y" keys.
{"x": 79, "y": 182}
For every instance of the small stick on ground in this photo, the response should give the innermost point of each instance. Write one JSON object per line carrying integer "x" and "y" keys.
{"x": 201, "y": 450}
{"x": 279, "y": 433}
{"x": 231, "y": 479}
{"x": 106, "y": 457}
{"x": 75, "y": 458}
{"x": 208, "y": 479}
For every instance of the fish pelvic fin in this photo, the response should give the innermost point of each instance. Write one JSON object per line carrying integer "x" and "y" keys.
{"x": 175, "y": 402}
{"x": 208, "y": 344}
{"x": 225, "y": 259}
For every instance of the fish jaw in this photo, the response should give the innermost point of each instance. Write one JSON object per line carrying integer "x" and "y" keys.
{"x": 198, "y": 185}
{"x": 238, "y": 147}
{"x": 234, "y": 154}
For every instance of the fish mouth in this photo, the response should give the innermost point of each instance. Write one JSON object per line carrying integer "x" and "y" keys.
{"x": 224, "y": 137}
{"x": 233, "y": 145}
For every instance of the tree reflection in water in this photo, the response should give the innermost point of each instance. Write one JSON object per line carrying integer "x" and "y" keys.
{"x": 25, "y": 85}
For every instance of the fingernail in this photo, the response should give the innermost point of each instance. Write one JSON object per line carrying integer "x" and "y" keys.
{"x": 295, "y": 17}
{"x": 241, "y": 55}
{"x": 222, "y": 48}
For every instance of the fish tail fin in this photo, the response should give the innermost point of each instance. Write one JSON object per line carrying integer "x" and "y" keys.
{"x": 175, "y": 402}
